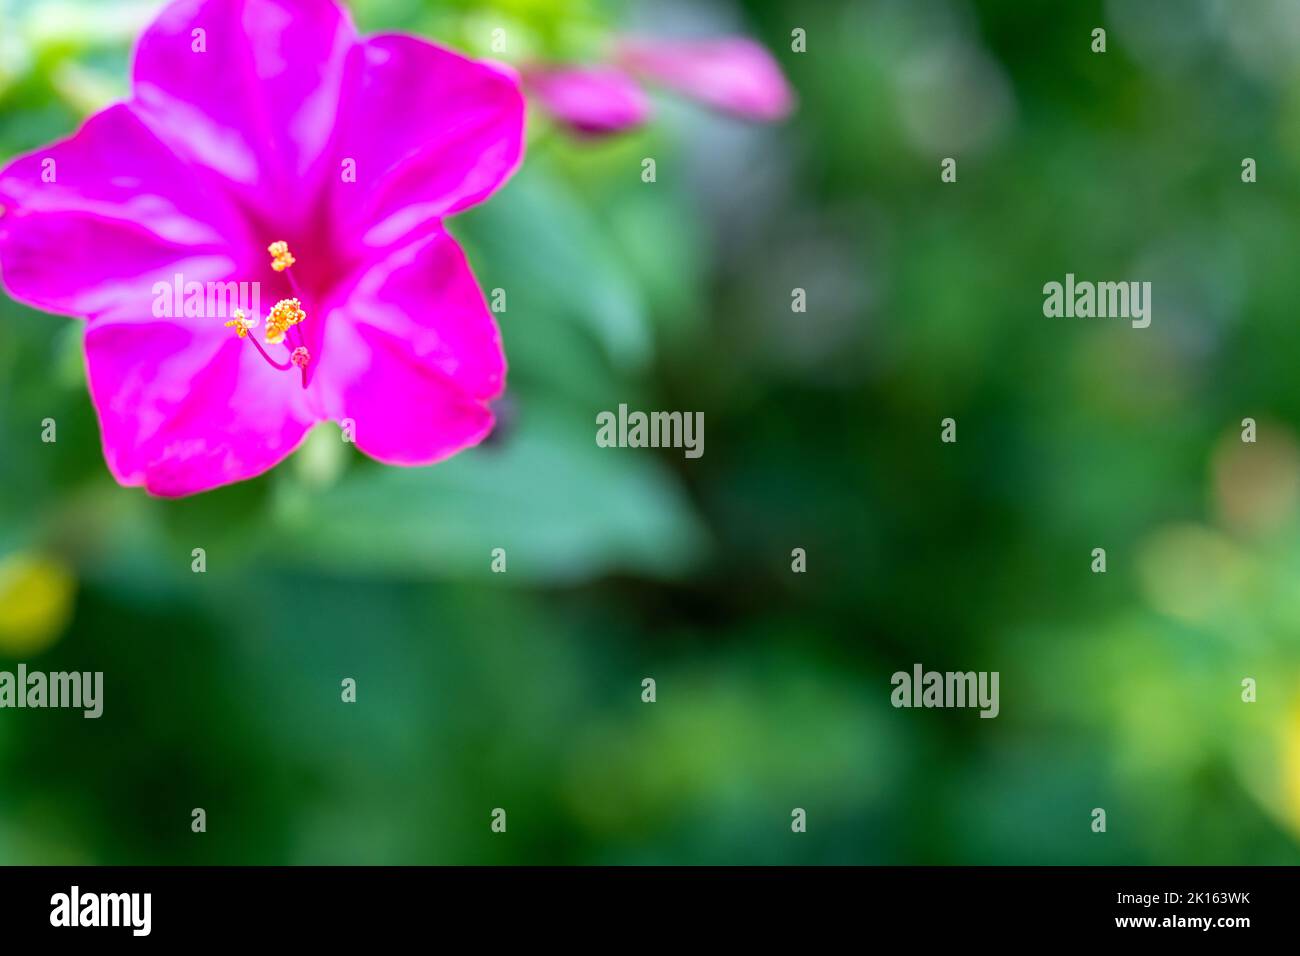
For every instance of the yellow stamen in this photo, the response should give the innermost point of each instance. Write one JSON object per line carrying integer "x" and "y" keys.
{"x": 286, "y": 312}
{"x": 241, "y": 324}
{"x": 281, "y": 257}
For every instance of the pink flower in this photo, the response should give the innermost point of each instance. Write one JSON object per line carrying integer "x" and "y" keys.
{"x": 592, "y": 100}
{"x": 732, "y": 74}
{"x": 265, "y": 142}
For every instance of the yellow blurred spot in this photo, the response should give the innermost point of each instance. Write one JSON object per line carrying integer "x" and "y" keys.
{"x": 35, "y": 603}
{"x": 1291, "y": 771}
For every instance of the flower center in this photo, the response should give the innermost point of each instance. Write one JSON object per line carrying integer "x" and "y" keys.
{"x": 282, "y": 322}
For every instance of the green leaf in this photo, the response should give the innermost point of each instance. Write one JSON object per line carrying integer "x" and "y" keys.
{"x": 557, "y": 264}
{"x": 563, "y": 509}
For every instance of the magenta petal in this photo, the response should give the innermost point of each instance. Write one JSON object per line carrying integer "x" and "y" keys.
{"x": 734, "y": 74}
{"x": 239, "y": 134}
{"x": 90, "y": 223}
{"x": 412, "y": 355}
{"x": 257, "y": 103}
{"x": 185, "y": 408}
{"x": 591, "y": 100}
{"x": 427, "y": 133}
{"x": 183, "y": 404}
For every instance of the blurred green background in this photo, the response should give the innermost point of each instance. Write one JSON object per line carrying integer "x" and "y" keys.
{"x": 522, "y": 690}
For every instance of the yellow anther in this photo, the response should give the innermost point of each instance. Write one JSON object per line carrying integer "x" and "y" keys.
{"x": 241, "y": 324}
{"x": 281, "y": 257}
{"x": 286, "y": 312}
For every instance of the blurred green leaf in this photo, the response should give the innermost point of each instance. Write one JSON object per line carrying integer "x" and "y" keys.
{"x": 546, "y": 249}
{"x": 563, "y": 509}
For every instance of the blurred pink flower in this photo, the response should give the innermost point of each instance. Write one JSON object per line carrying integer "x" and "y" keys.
{"x": 732, "y": 74}
{"x": 592, "y": 100}
{"x": 265, "y": 142}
